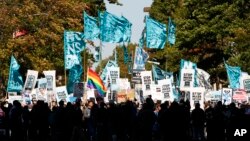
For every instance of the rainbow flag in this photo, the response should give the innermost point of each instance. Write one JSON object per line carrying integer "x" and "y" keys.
{"x": 94, "y": 82}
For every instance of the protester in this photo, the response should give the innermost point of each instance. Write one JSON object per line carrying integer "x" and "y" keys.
{"x": 101, "y": 121}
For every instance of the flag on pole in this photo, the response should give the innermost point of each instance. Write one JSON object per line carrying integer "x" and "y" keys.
{"x": 94, "y": 82}
{"x": 187, "y": 64}
{"x": 156, "y": 34}
{"x": 15, "y": 82}
{"x": 127, "y": 30}
{"x": 114, "y": 29}
{"x": 73, "y": 46}
{"x": 75, "y": 74}
{"x": 91, "y": 29}
{"x": 141, "y": 57}
{"x": 203, "y": 79}
{"x": 171, "y": 31}
{"x": 233, "y": 74}
{"x": 159, "y": 74}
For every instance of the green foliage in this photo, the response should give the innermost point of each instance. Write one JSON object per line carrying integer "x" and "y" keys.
{"x": 45, "y": 21}
{"x": 207, "y": 32}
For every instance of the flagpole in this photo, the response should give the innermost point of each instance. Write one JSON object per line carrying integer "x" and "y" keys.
{"x": 84, "y": 65}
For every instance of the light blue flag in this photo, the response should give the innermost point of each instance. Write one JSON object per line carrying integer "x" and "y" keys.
{"x": 141, "y": 40}
{"x": 91, "y": 29}
{"x": 127, "y": 30}
{"x": 156, "y": 34}
{"x": 187, "y": 64}
{"x": 141, "y": 57}
{"x": 15, "y": 82}
{"x": 75, "y": 74}
{"x": 73, "y": 46}
{"x": 159, "y": 74}
{"x": 171, "y": 32}
{"x": 114, "y": 29}
{"x": 234, "y": 74}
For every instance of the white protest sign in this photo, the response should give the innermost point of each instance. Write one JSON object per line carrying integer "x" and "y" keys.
{"x": 187, "y": 79}
{"x": 226, "y": 96}
{"x": 167, "y": 89}
{"x": 146, "y": 82}
{"x": 61, "y": 94}
{"x": 51, "y": 84}
{"x": 42, "y": 89}
{"x": 240, "y": 96}
{"x": 213, "y": 96}
{"x": 156, "y": 92}
{"x": 197, "y": 96}
{"x": 29, "y": 85}
{"x": 114, "y": 74}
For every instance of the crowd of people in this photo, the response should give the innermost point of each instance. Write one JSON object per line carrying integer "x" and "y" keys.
{"x": 129, "y": 121}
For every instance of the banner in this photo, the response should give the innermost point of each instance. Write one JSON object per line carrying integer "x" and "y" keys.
{"x": 15, "y": 81}
{"x": 197, "y": 96}
{"x": 91, "y": 29}
{"x": 226, "y": 96}
{"x": 240, "y": 96}
{"x": 146, "y": 82}
{"x": 73, "y": 46}
{"x": 155, "y": 34}
{"x": 61, "y": 94}
{"x": 51, "y": 84}
{"x": 166, "y": 89}
{"x": 78, "y": 89}
{"x": 140, "y": 59}
{"x": 187, "y": 78}
{"x": 42, "y": 89}
{"x": 114, "y": 74}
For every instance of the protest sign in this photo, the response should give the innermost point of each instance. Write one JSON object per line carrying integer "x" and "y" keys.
{"x": 197, "y": 96}
{"x": 187, "y": 78}
{"x": 226, "y": 96}
{"x": 61, "y": 94}
{"x": 78, "y": 89}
